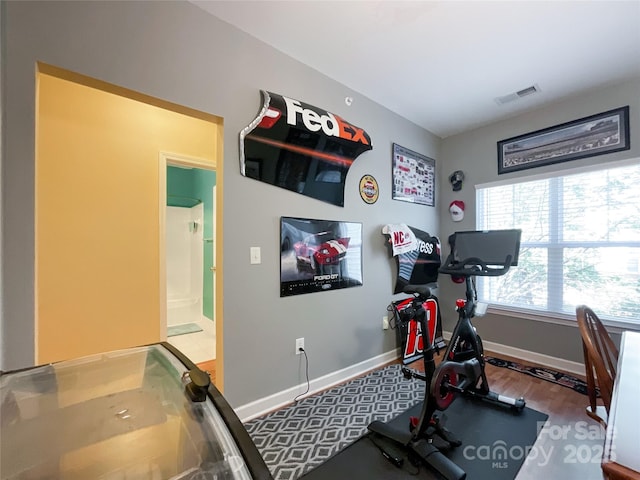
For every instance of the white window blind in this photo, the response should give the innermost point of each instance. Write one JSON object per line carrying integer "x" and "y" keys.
{"x": 580, "y": 243}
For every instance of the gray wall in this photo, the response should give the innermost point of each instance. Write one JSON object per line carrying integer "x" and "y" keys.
{"x": 475, "y": 153}
{"x": 176, "y": 52}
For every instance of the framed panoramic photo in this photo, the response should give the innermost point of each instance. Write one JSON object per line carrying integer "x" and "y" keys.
{"x": 319, "y": 255}
{"x": 414, "y": 177}
{"x": 586, "y": 137}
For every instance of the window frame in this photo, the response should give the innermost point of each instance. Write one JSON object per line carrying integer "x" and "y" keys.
{"x": 560, "y": 318}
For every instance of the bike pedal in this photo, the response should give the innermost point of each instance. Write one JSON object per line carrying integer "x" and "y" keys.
{"x": 450, "y": 439}
{"x": 413, "y": 423}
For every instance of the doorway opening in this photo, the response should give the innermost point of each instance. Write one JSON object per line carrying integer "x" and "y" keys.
{"x": 190, "y": 239}
{"x": 99, "y": 254}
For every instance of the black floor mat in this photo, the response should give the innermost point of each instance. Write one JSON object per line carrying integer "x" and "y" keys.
{"x": 495, "y": 443}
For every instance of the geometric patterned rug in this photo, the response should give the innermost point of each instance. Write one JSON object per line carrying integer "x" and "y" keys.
{"x": 300, "y": 437}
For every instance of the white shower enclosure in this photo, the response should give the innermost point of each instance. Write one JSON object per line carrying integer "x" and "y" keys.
{"x": 184, "y": 264}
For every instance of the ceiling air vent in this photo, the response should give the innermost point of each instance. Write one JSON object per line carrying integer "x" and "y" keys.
{"x": 519, "y": 94}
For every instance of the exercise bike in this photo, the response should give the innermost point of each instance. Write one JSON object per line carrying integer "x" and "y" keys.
{"x": 462, "y": 368}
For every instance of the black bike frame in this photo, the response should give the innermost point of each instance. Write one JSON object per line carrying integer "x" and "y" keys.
{"x": 465, "y": 342}
{"x": 428, "y": 405}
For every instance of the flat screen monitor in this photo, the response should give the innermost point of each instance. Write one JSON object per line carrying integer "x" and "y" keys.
{"x": 490, "y": 246}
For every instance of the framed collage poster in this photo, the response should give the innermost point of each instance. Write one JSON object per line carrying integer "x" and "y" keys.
{"x": 413, "y": 176}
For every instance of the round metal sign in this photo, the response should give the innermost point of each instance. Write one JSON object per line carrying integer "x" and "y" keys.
{"x": 369, "y": 189}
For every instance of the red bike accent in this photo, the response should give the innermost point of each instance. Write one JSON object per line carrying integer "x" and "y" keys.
{"x": 444, "y": 396}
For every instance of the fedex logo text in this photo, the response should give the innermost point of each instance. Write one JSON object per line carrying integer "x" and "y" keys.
{"x": 330, "y": 124}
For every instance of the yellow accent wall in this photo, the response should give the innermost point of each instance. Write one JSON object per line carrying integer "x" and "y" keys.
{"x": 98, "y": 213}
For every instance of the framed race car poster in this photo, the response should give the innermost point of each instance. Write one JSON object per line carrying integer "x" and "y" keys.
{"x": 319, "y": 255}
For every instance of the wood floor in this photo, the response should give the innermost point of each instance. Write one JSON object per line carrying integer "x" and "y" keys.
{"x": 210, "y": 368}
{"x": 570, "y": 445}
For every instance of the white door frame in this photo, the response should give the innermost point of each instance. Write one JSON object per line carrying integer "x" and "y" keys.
{"x": 172, "y": 159}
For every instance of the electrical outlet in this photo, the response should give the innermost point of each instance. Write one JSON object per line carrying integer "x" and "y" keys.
{"x": 299, "y": 345}
{"x": 385, "y": 323}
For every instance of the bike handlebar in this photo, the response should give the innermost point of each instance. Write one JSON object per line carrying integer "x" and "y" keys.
{"x": 474, "y": 266}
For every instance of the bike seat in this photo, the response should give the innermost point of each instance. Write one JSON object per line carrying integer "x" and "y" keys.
{"x": 423, "y": 291}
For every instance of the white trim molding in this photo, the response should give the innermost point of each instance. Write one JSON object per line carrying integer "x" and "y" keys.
{"x": 541, "y": 359}
{"x": 569, "y": 366}
{"x": 281, "y": 399}
{"x": 558, "y": 173}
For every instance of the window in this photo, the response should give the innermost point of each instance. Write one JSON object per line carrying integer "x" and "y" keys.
{"x": 580, "y": 243}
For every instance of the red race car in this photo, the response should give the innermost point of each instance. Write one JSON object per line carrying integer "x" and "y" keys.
{"x": 320, "y": 250}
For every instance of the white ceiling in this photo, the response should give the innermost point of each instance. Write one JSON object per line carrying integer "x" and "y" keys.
{"x": 441, "y": 64}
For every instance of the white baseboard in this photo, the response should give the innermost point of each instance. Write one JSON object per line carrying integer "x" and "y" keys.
{"x": 264, "y": 405}
{"x": 568, "y": 366}
{"x": 280, "y": 399}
